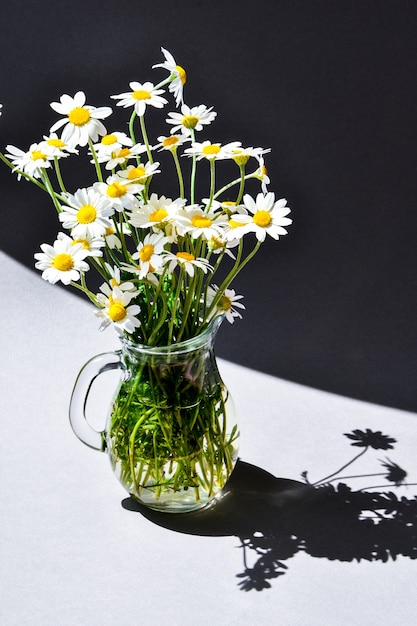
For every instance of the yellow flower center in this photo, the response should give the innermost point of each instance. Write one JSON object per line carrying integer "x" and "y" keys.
{"x": 240, "y": 157}
{"x": 262, "y": 218}
{"x": 186, "y": 256}
{"x": 109, "y": 231}
{"x": 263, "y": 171}
{"x": 83, "y": 242}
{"x": 37, "y": 154}
{"x": 211, "y": 149}
{"x": 79, "y": 116}
{"x": 216, "y": 243}
{"x": 146, "y": 252}
{"x": 141, "y": 94}
{"x": 158, "y": 215}
{"x": 190, "y": 121}
{"x": 170, "y": 142}
{"x": 117, "y": 311}
{"x": 114, "y": 282}
{"x": 86, "y": 214}
{"x": 121, "y": 154}
{"x": 63, "y": 262}
{"x": 234, "y": 224}
{"x": 109, "y": 140}
{"x": 225, "y": 303}
{"x": 201, "y": 221}
{"x": 56, "y": 143}
{"x": 116, "y": 190}
{"x": 136, "y": 172}
{"x": 181, "y": 73}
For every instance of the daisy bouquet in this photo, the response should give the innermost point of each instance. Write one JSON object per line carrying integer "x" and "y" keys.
{"x": 166, "y": 264}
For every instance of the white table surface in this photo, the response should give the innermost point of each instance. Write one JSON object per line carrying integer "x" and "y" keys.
{"x": 75, "y": 552}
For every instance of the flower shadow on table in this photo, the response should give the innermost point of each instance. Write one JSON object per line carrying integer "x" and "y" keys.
{"x": 275, "y": 518}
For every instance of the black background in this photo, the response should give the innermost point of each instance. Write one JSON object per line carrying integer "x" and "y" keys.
{"x": 330, "y": 87}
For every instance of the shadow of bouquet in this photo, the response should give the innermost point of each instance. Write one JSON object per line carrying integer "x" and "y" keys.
{"x": 275, "y": 518}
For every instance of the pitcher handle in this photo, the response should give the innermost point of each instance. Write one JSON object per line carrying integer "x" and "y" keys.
{"x": 88, "y": 373}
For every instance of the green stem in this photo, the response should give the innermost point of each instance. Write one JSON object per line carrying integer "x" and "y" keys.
{"x": 179, "y": 172}
{"x": 96, "y": 163}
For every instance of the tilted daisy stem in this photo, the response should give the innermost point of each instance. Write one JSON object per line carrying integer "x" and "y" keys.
{"x": 193, "y": 170}
{"x": 175, "y": 304}
{"x": 96, "y": 163}
{"x": 236, "y": 181}
{"x": 179, "y": 172}
{"x": 132, "y": 130}
{"x": 238, "y": 266}
{"x": 145, "y": 138}
{"x": 355, "y": 458}
{"x": 49, "y": 188}
{"x": 242, "y": 185}
{"x": 59, "y": 175}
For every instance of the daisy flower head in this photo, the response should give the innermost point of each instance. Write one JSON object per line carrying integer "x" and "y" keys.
{"x": 112, "y": 238}
{"x": 139, "y": 173}
{"x": 159, "y": 213}
{"x": 54, "y": 147}
{"x": 149, "y": 253}
{"x": 87, "y": 214}
{"x": 186, "y": 261}
{"x": 197, "y": 222}
{"x": 119, "y": 192}
{"x": 262, "y": 175}
{"x": 211, "y": 151}
{"x": 267, "y": 216}
{"x": 242, "y": 155}
{"x": 171, "y": 143}
{"x": 141, "y": 96}
{"x": 178, "y": 75}
{"x": 121, "y": 156}
{"x": 81, "y": 121}
{"x": 92, "y": 245}
{"x": 117, "y": 310}
{"x": 226, "y": 304}
{"x": 31, "y": 162}
{"x": 191, "y": 119}
{"x": 115, "y": 280}
{"x": 110, "y": 144}
{"x": 236, "y": 229}
{"x": 63, "y": 261}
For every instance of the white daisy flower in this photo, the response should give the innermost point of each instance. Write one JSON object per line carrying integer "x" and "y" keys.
{"x": 197, "y": 222}
{"x": 171, "y": 143}
{"x": 81, "y": 121}
{"x": 119, "y": 192}
{"x": 63, "y": 261}
{"x": 121, "y": 156}
{"x": 112, "y": 238}
{"x": 217, "y": 244}
{"x": 149, "y": 253}
{"x": 87, "y": 213}
{"x": 267, "y": 216}
{"x": 228, "y": 300}
{"x": 211, "y": 151}
{"x": 111, "y": 143}
{"x": 179, "y": 76}
{"x": 242, "y": 155}
{"x": 141, "y": 96}
{"x": 118, "y": 310}
{"x": 187, "y": 261}
{"x": 191, "y": 118}
{"x": 158, "y": 213}
{"x": 116, "y": 281}
{"x": 139, "y": 173}
{"x": 31, "y": 162}
{"x": 92, "y": 245}
{"x": 54, "y": 147}
{"x": 262, "y": 174}
{"x": 236, "y": 229}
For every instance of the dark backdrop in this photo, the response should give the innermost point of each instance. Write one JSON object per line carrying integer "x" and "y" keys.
{"x": 330, "y": 86}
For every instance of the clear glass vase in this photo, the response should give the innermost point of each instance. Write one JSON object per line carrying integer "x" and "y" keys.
{"x": 171, "y": 435}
